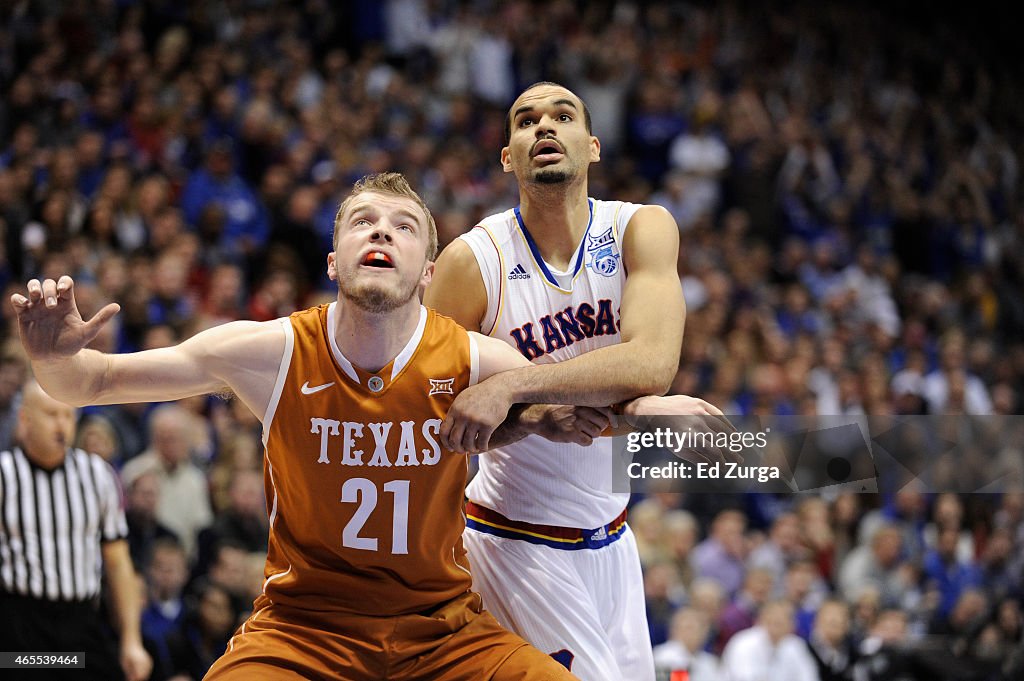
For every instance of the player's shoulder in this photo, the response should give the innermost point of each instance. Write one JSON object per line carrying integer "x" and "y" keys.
{"x": 482, "y": 244}
{"x": 445, "y": 342}
{"x": 319, "y": 311}
{"x": 617, "y": 213}
{"x": 606, "y": 206}
{"x": 498, "y": 227}
{"x": 634, "y": 218}
{"x": 502, "y": 218}
{"x": 440, "y": 324}
{"x": 610, "y": 204}
{"x": 311, "y": 320}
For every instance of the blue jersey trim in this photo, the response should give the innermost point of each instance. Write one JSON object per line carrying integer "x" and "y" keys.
{"x": 536, "y": 251}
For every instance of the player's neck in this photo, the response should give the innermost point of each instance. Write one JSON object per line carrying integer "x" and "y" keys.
{"x": 371, "y": 340}
{"x": 557, "y": 217}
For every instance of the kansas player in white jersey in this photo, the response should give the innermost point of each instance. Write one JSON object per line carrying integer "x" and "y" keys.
{"x": 590, "y": 286}
{"x": 551, "y": 315}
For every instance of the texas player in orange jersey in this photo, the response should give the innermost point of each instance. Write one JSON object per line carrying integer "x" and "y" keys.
{"x": 366, "y": 575}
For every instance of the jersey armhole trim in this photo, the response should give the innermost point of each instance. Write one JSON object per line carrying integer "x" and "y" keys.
{"x": 273, "y": 486}
{"x": 620, "y": 229}
{"x": 499, "y": 308}
{"x": 282, "y": 374}
{"x": 474, "y": 360}
{"x": 276, "y": 576}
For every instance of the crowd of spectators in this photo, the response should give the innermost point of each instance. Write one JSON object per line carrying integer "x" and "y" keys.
{"x": 847, "y": 186}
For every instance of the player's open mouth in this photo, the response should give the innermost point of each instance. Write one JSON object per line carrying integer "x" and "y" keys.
{"x": 378, "y": 259}
{"x": 547, "y": 151}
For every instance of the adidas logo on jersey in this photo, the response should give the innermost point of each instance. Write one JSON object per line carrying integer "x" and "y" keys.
{"x": 518, "y": 272}
{"x": 600, "y": 535}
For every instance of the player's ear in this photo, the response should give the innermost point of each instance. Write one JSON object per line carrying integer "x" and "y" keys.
{"x": 332, "y": 267}
{"x": 506, "y": 160}
{"x": 428, "y": 274}
{"x": 595, "y": 149}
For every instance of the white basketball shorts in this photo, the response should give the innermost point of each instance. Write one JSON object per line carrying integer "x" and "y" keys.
{"x": 575, "y": 594}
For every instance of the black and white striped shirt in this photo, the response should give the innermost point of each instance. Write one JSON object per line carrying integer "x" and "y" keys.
{"x": 52, "y": 523}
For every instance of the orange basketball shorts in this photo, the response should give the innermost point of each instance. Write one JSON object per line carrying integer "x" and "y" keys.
{"x": 457, "y": 642}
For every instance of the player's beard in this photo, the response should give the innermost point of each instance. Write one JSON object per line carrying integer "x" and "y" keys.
{"x": 562, "y": 173}
{"x": 375, "y": 297}
{"x": 551, "y": 177}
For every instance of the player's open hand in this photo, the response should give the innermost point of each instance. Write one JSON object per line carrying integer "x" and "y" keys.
{"x": 49, "y": 322}
{"x": 474, "y": 416}
{"x": 685, "y": 413}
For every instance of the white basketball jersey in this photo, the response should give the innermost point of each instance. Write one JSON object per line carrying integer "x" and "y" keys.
{"x": 550, "y": 316}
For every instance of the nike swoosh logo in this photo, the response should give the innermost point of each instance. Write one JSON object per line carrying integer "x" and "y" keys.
{"x": 306, "y": 390}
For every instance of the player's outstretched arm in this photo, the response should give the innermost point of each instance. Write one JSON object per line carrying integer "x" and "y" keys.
{"x": 240, "y": 356}
{"x": 636, "y": 410}
{"x": 652, "y": 316}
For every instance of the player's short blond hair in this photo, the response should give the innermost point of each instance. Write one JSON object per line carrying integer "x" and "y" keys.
{"x": 394, "y": 184}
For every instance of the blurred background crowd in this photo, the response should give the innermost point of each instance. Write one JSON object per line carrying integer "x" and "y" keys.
{"x": 847, "y": 186}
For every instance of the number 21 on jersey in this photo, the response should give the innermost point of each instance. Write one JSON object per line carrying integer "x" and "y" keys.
{"x": 364, "y": 492}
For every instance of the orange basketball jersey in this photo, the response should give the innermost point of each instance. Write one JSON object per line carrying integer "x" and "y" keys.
{"x": 365, "y": 505}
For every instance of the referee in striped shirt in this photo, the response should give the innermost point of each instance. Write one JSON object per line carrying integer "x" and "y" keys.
{"x": 62, "y": 528}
